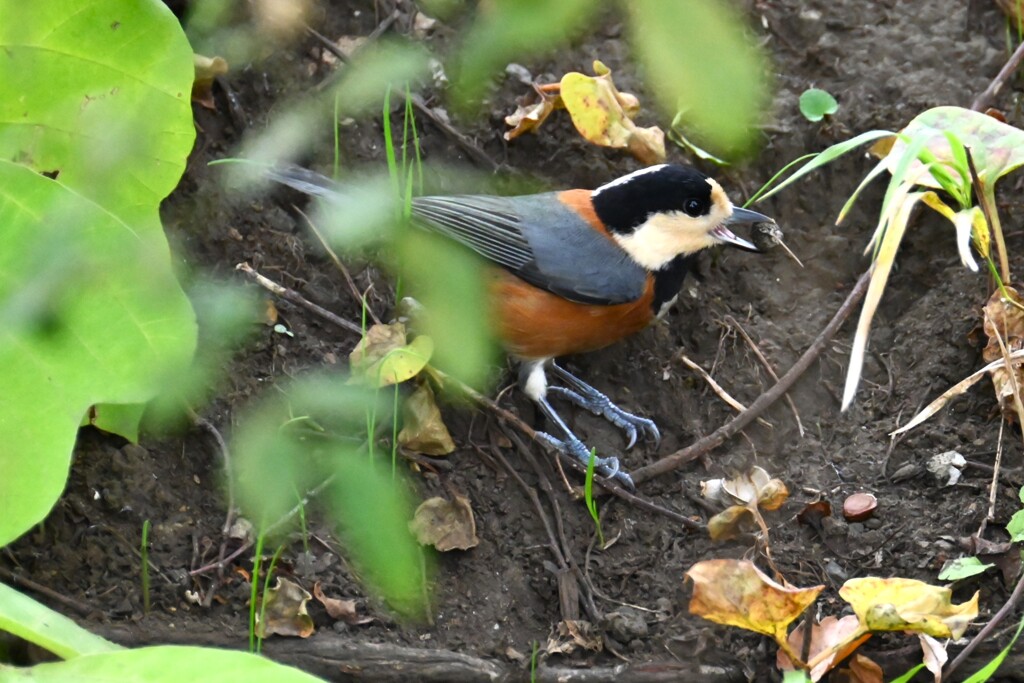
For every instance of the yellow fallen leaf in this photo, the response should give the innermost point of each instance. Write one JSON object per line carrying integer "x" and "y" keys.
{"x": 731, "y": 522}
{"x": 899, "y": 604}
{"x": 737, "y": 593}
{"x": 529, "y": 116}
{"x": 382, "y": 357}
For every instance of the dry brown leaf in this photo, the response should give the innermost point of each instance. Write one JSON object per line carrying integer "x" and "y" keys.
{"x": 383, "y": 358}
{"x": 737, "y": 593}
{"x": 284, "y": 611}
{"x": 339, "y": 609}
{"x": 572, "y": 635}
{"x": 446, "y": 525}
{"x": 1005, "y": 318}
{"x": 207, "y": 69}
{"x": 423, "y": 429}
{"x": 862, "y": 670}
{"x": 734, "y": 521}
{"x": 831, "y": 632}
{"x": 530, "y": 114}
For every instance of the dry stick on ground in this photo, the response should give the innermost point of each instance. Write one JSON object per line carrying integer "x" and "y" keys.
{"x": 983, "y": 100}
{"x": 718, "y": 389}
{"x": 732, "y": 322}
{"x": 729, "y": 429}
{"x": 987, "y": 630}
{"x": 229, "y": 516}
{"x": 296, "y": 298}
{"x": 360, "y": 298}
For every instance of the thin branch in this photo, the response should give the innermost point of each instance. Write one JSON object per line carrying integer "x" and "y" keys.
{"x": 731, "y": 428}
{"x": 296, "y": 298}
{"x": 985, "y": 99}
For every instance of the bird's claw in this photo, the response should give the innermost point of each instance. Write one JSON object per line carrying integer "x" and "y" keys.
{"x": 606, "y": 467}
{"x": 601, "y": 405}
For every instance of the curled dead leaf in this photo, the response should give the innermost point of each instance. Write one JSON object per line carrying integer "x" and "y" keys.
{"x": 423, "y": 429}
{"x": 446, "y": 525}
{"x": 1004, "y": 320}
{"x": 832, "y": 632}
{"x": 734, "y": 521}
{"x": 382, "y": 357}
{"x": 339, "y": 609}
{"x": 284, "y": 611}
{"x": 207, "y": 69}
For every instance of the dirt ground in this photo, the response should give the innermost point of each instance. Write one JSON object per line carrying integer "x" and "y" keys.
{"x": 885, "y": 60}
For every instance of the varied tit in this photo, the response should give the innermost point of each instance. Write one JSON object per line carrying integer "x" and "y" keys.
{"x": 577, "y": 270}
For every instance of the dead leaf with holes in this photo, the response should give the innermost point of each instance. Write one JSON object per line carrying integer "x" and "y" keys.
{"x": 737, "y": 593}
{"x": 423, "y": 429}
{"x": 1004, "y": 320}
{"x": 445, "y": 524}
{"x": 898, "y": 604}
{"x": 382, "y": 357}
{"x": 532, "y": 111}
{"x": 340, "y": 609}
{"x": 573, "y": 634}
{"x": 748, "y": 493}
{"x": 284, "y": 611}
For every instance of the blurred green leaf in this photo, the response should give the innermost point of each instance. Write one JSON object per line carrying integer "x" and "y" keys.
{"x": 510, "y": 30}
{"x": 1015, "y": 527}
{"x": 25, "y": 618}
{"x": 98, "y": 95}
{"x": 451, "y": 284}
{"x": 93, "y": 315}
{"x": 701, "y": 62}
{"x": 816, "y": 104}
{"x": 311, "y": 433}
{"x": 163, "y": 664}
{"x": 99, "y": 92}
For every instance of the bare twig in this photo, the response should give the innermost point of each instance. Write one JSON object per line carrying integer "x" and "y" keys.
{"x": 767, "y": 366}
{"x": 717, "y": 388}
{"x": 360, "y": 298}
{"x": 719, "y": 436}
{"x": 985, "y": 99}
{"x": 987, "y": 630}
{"x": 295, "y": 297}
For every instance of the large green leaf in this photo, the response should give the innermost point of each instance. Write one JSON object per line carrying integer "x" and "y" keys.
{"x": 40, "y": 625}
{"x": 92, "y": 314}
{"x": 163, "y": 663}
{"x": 99, "y": 91}
{"x": 95, "y": 93}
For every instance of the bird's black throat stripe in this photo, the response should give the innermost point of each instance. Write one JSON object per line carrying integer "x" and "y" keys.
{"x": 669, "y": 280}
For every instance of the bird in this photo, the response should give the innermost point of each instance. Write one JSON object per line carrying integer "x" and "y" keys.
{"x": 574, "y": 271}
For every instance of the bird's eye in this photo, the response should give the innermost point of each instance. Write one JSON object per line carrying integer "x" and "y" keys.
{"x": 692, "y": 207}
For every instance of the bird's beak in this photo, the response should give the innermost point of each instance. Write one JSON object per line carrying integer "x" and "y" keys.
{"x": 739, "y": 217}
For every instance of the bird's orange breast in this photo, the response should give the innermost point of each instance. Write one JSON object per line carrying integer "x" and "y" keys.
{"x": 534, "y": 323}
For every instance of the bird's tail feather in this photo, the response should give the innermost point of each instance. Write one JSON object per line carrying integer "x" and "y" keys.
{"x": 304, "y": 180}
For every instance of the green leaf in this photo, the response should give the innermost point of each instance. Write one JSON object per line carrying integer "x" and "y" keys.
{"x": 699, "y": 58}
{"x": 98, "y": 93}
{"x": 816, "y": 104}
{"x": 1015, "y": 527}
{"x": 996, "y": 147}
{"x": 92, "y": 314}
{"x": 514, "y": 30}
{"x": 402, "y": 363}
{"x": 309, "y": 433}
{"x": 163, "y": 664}
{"x": 909, "y": 675}
{"x": 962, "y": 568}
{"x": 25, "y": 618}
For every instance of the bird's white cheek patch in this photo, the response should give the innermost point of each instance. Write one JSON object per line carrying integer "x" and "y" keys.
{"x": 663, "y": 237}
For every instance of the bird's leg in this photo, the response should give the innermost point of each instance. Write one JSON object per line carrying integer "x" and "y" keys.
{"x": 586, "y": 396}
{"x": 534, "y": 382}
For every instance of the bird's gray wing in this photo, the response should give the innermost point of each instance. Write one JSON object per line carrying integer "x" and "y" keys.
{"x": 541, "y": 240}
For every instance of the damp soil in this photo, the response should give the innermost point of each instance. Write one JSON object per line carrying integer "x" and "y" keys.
{"x": 885, "y": 61}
